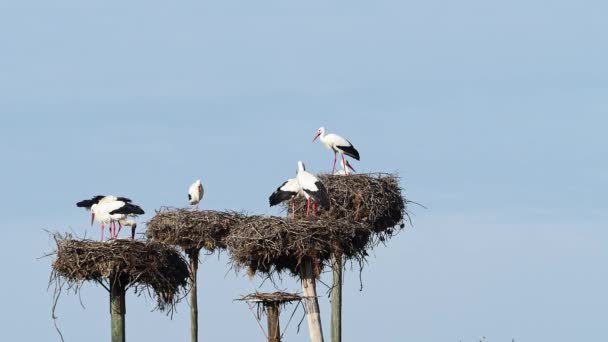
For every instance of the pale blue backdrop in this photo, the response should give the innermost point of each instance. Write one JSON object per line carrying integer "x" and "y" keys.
{"x": 494, "y": 114}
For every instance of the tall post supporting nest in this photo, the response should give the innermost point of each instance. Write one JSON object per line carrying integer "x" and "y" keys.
{"x": 193, "y": 256}
{"x": 270, "y": 304}
{"x": 117, "y": 308}
{"x": 274, "y": 328}
{"x": 311, "y": 303}
{"x": 118, "y": 265}
{"x": 336, "y": 299}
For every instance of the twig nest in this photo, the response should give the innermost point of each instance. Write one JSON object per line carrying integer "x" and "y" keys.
{"x": 192, "y": 229}
{"x": 374, "y": 199}
{"x": 268, "y": 298}
{"x": 269, "y": 244}
{"x": 138, "y": 264}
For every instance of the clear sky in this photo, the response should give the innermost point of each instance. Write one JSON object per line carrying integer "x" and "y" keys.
{"x": 494, "y": 114}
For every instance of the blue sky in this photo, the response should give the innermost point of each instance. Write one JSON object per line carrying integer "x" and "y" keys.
{"x": 494, "y": 114}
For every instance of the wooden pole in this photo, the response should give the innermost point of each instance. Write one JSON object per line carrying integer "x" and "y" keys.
{"x": 274, "y": 328}
{"x": 117, "y": 309}
{"x": 336, "y": 299}
{"x": 311, "y": 303}
{"x": 193, "y": 255}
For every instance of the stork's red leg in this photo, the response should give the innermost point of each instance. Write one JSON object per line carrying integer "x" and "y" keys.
{"x": 333, "y": 170}
{"x": 119, "y": 228}
{"x": 344, "y": 163}
{"x": 314, "y": 208}
{"x": 307, "y": 206}
{"x": 102, "y": 231}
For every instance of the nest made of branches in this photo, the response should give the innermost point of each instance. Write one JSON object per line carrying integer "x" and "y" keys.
{"x": 192, "y": 229}
{"x": 270, "y": 244}
{"x": 143, "y": 265}
{"x": 375, "y": 199}
{"x": 266, "y": 298}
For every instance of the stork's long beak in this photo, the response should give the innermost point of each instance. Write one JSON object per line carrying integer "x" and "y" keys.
{"x": 350, "y": 166}
{"x": 92, "y": 218}
{"x": 316, "y": 136}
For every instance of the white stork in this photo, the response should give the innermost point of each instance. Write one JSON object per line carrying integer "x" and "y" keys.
{"x": 100, "y": 199}
{"x": 338, "y": 144}
{"x": 312, "y": 189}
{"x": 288, "y": 191}
{"x": 346, "y": 169}
{"x": 306, "y": 185}
{"x": 88, "y": 203}
{"x": 195, "y": 193}
{"x": 119, "y": 214}
{"x": 109, "y": 212}
{"x": 100, "y": 213}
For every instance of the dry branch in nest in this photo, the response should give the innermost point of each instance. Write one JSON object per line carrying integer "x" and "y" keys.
{"x": 192, "y": 229}
{"x": 133, "y": 264}
{"x": 374, "y": 199}
{"x": 268, "y": 244}
{"x": 273, "y": 297}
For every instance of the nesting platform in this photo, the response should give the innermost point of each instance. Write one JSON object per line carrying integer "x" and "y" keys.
{"x": 138, "y": 264}
{"x": 363, "y": 207}
{"x": 271, "y": 298}
{"x": 375, "y": 199}
{"x": 192, "y": 229}
{"x": 267, "y": 244}
{"x": 270, "y": 304}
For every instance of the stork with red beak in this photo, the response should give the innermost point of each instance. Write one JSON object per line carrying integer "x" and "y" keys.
{"x": 101, "y": 200}
{"x": 111, "y": 211}
{"x": 338, "y": 144}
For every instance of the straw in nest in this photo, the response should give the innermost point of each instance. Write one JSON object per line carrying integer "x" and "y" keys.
{"x": 268, "y": 244}
{"x": 273, "y": 297}
{"x": 374, "y": 199}
{"x": 192, "y": 229}
{"x": 137, "y": 264}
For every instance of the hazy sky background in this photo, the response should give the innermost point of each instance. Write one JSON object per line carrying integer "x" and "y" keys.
{"x": 493, "y": 113}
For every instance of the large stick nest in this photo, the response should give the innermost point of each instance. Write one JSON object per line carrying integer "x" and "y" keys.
{"x": 142, "y": 265}
{"x": 268, "y": 244}
{"x": 374, "y": 199}
{"x": 192, "y": 229}
{"x": 363, "y": 207}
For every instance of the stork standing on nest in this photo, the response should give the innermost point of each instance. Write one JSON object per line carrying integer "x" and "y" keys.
{"x": 338, "y": 144}
{"x": 88, "y": 203}
{"x": 101, "y": 199}
{"x": 313, "y": 190}
{"x": 346, "y": 169}
{"x": 305, "y": 184}
{"x": 288, "y": 191}
{"x": 120, "y": 214}
{"x": 110, "y": 212}
{"x": 195, "y": 193}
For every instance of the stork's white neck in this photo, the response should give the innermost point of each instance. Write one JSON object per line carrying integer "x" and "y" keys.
{"x": 322, "y": 134}
{"x": 301, "y": 166}
{"x": 324, "y": 139}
